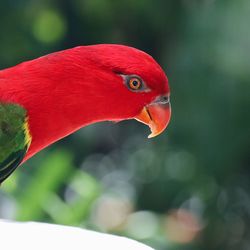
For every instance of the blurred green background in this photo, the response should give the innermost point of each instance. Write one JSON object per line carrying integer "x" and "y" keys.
{"x": 186, "y": 189}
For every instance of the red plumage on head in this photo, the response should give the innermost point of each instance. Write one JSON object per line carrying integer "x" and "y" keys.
{"x": 67, "y": 90}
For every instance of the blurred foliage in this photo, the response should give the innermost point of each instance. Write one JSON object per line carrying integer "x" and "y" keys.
{"x": 186, "y": 189}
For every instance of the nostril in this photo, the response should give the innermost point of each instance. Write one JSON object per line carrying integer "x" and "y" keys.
{"x": 162, "y": 100}
{"x": 165, "y": 99}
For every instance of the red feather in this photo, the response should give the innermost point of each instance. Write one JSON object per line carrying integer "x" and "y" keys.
{"x": 67, "y": 90}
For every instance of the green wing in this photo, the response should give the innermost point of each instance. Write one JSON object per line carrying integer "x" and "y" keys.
{"x": 14, "y": 138}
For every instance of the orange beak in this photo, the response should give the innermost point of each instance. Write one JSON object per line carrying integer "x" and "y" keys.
{"x": 156, "y": 115}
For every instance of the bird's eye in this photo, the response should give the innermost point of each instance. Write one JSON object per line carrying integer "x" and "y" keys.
{"x": 135, "y": 83}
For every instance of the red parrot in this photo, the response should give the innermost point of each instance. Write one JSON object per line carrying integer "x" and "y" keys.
{"x": 46, "y": 99}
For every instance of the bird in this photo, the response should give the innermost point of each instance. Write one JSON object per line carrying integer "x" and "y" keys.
{"x": 30, "y": 235}
{"x": 48, "y": 98}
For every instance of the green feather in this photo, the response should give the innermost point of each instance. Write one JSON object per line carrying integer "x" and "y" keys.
{"x": 14, "y": 138}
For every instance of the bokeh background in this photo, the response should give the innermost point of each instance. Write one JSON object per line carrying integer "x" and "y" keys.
{"x": 186, "y": 189}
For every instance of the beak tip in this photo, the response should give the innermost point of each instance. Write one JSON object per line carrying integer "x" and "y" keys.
{"x": 154, "y": 132}
{"x": 150, "y": 136}
{"x": 156, "y": 117}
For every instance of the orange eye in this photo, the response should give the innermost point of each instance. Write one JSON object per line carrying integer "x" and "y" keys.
{"x": 135, "y": 83}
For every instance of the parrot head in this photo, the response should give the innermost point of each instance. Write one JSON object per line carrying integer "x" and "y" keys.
{"x": 122, "y": 83}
